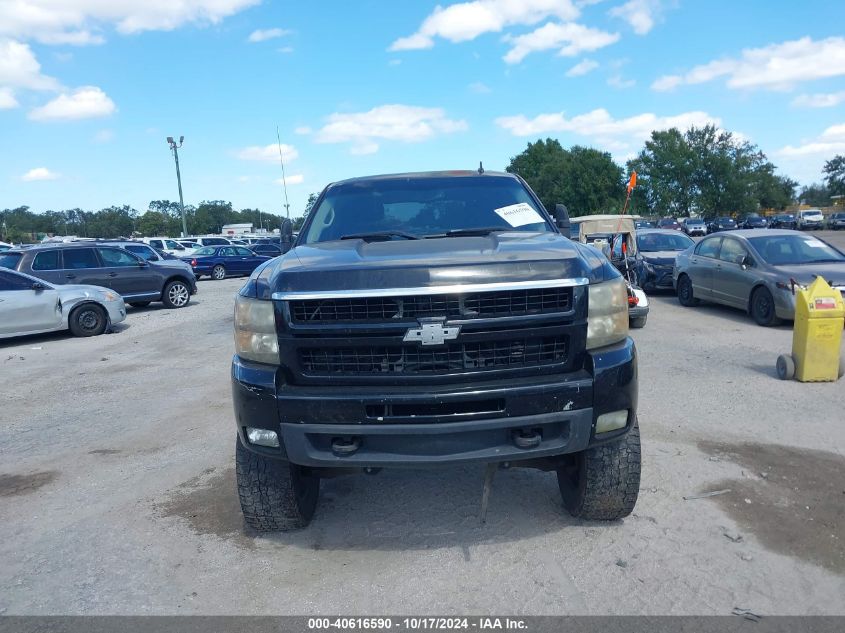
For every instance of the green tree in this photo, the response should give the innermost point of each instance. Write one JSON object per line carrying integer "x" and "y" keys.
{"x": 586, "y": 180}
{"x": 834, "y": 171}
{"x": 816, "y": 195}
{"x": 707, "y": 171}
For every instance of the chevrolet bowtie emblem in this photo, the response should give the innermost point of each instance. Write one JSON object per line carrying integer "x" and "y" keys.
{"x": 432, "y": 333}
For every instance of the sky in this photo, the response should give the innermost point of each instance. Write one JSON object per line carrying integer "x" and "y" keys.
{"x": 90, "y": 89}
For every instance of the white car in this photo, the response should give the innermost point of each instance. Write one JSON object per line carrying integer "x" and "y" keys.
{"x": 167, "y": 245}
{"x": 4, "y": 246}
{"x": 211, "y": 241}
{"x": 29, "y": 305}
{"x": 810, "y": 219}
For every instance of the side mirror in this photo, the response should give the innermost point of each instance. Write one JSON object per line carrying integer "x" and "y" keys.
{"x": 562, "y": 219}
{"x": 746, "y": 262}
{"x": 286, "y": 233}
{"x": 38, "y": 286}
{"x": 143, "y": 264}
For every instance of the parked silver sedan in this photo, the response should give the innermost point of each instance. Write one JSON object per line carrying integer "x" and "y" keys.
{"x": 754, "y": 270}
{"x": 29, "y": 305}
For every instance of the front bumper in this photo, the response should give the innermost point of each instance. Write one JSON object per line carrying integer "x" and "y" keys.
{"x": 116, "y": 311}
{"x": 436, "y": 425}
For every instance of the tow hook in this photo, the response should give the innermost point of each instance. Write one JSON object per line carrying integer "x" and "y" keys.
{"x": 344, "y": 446}
{"x": 527, "y": 438}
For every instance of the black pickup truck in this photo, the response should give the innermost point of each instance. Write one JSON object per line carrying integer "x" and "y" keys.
{"x": 431, "y": 319}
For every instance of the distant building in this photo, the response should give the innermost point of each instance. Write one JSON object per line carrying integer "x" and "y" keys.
{"x": 237, "y": 229}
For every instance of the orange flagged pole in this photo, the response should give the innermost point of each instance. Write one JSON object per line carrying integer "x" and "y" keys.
{"x": 631, "y": 184}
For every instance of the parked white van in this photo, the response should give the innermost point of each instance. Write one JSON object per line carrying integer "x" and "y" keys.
{"x": 167, "y": 245}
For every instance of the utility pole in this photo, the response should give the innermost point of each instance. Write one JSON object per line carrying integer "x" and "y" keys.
{"x": 175, "y": 148}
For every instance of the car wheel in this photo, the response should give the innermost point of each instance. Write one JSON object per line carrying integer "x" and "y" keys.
{"x": 763, "y": 307}
{"x": 218, "y": 272}
{"x": 139, "y": 304}
{"x": 685, "y": 296}
{"x": 638, "y": 322}
{"x": 88, "y": 320}
{"x": 274, "y": 495}
{"x": 603, "y": 482}
{"x": 176, "y": 294}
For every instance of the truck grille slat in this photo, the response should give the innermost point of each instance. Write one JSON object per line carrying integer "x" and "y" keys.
{"x": 466, "y": 306}
{"x": 454, "y": 357}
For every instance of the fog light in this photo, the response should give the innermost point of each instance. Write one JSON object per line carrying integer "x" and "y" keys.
{"x": 613, "y": 421}
{"x": 262, "y": 437}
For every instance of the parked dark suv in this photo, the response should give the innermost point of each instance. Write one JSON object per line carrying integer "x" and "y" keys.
{"x": 99, "y": 264}
{"x": 433, "y": 319}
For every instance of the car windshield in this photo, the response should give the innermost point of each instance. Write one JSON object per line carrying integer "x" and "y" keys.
{"x": 9, "y": 260}
{"x": 654, "y": 242}
{"x": 413, "y": 208}
{"x": 783, "y": 250}
{"x": 206, "y": 250}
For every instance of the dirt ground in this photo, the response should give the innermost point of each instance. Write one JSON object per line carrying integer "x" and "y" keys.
{"x": 117, "y": 491}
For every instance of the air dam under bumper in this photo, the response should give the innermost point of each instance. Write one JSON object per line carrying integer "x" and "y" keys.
{"x": 533, "y": 418}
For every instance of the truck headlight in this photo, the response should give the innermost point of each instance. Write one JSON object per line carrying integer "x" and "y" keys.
{"x": 255, "y": 330}
{"x": 607, "y": 319}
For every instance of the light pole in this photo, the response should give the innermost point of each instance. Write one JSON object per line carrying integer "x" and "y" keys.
{"x": 175, "y": 148}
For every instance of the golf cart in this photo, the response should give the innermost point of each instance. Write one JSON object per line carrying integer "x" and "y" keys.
{"x": 615, "y": 237}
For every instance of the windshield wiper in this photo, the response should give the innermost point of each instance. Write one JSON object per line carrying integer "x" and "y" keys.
{"x": 480, "y": 230}
{"x": 380, "y": 235}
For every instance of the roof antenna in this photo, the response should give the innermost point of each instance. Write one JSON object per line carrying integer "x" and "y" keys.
{"x": 480, "y": 168}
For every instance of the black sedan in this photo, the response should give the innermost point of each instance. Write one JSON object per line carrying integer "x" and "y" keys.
{"x": 656, "y": 253}
{"x": 754, "y": 222}
{"x": 783, "y": 221}
{"x": 721, "y": 224}
{"x": 220, "y": 262}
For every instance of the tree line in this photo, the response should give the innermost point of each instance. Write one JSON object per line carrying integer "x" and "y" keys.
{"x": 703, "y": 171}
{"x": 162, "y": 217}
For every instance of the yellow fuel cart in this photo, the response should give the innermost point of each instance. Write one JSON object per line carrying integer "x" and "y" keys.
{"x": 816, "y": 337}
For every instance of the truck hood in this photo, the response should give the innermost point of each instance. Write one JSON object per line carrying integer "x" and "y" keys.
{"x": 500, "y": 257}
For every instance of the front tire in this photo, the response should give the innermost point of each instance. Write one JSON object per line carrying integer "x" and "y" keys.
{"x": 176, "y": 294}
{"x": 88, "y": 320}
{"x": 685, "y": 296}
{"x": 763, "y": 307}
{"x": 603, "y": 482}
{"x": 218, "y": 273}
{"x": 274, "y": 495}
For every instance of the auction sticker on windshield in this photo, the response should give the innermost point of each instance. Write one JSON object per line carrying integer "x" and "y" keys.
{"x": 519, "y": 214}
{"x": 815, "y": 243}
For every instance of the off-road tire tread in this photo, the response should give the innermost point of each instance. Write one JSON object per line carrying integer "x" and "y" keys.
{"x": 266, "y": 492}
{"x": 611, "y": 479}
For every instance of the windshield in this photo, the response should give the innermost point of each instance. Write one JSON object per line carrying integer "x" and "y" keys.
{"x": 205, "y": 250}
{"x": 783, "y": 250}
{"x": 9, "y": 260}
{"x": 424, "y": 207}
{"x": 654, "y": 242}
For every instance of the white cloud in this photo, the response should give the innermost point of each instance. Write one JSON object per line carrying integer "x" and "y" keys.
{"x": 582, "y": 68}
{"x": 570, "y": 39}
{"x": 465, "y": 21}
{"x": 302, "y": 129}
{"x": 7, "y": 99}
{"x": 39, "y": 173}
{"x": 86, "y": 102}
{"x": 619, "y": 82}
{"x": 293, "y": 179}
{"x": 479, "y": 88}
{"x": 73, "y": 21}
{"x": 773, "y": 67}
{"x": 819, "y": 100}
{"x": 268, "y": 153}
{"x": 640, "y": 14}
{"x": 403, "y": 123}
{"x": 827, "y": 144}
{"x": 262, "y": 35}
{"x": 616, "y": 135}
{"x": 20, "y": 69}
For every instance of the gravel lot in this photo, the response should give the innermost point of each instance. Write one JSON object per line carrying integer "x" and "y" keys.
{"x": 117, "y": 491}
